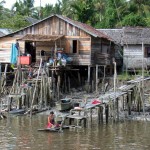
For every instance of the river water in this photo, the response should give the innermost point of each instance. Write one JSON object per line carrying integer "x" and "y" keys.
{"x": 20, "y": 133}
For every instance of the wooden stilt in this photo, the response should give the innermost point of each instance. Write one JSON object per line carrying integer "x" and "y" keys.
{"x": 35, "y": 88}
{"x": 129, "y": 102}
{"x": 96, "y": 78}
{"x": 106, "y": 112}
{"x": 101, "y": 113}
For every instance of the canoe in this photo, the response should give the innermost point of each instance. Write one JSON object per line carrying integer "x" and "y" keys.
{"x": 50, "y": 129}
{"x": 56, "y": 129}
{"x": 64, "y": 104}
{"x": 17, "y": 111}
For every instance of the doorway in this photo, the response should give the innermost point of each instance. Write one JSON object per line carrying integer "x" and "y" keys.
{"x": 31, "y": 49}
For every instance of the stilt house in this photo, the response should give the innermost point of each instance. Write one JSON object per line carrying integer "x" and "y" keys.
{"x": 86, "y": 46}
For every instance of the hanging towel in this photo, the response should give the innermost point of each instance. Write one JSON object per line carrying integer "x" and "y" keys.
{"x": 14, "y": 54}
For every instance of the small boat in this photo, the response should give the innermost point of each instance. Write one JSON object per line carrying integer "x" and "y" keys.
{"x": 55, "y": 129}
{"x": 17, "y": 111}
{"x": 64, "y": 104}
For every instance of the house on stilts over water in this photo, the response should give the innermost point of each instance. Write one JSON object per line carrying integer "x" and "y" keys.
{"x": 73, "y": 54}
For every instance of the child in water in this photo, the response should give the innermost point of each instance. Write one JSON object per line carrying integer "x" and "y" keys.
{"x": 51, "y": 120}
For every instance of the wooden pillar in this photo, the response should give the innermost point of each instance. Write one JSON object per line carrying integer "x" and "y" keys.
{"x": 98, "y": 114}
{"x": 96, "y": 78}
{"x": 117, "y": 107}
{"x": 68, "y": 84}
{"x": 106, "y": 112}
{"x": 79, "y": 78}
{"x": 89, "y": 70}
{"x": 84, "y": 122}
{"x": 58, "y": 88}
{"x": 129, "y": 102}
{"x": 101, "y": 113}
{"x": 0, "y": 89}
{"x": 91, "y": 114}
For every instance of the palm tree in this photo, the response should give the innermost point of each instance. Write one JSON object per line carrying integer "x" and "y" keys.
{"x": 24, "y": 7}
{"x": 141, "y": 7}
{"x": 66, "y": 8}
{"x": 100, "y": 8}
{"x": 1, "y": 8}
{"x": 83, "y": 10}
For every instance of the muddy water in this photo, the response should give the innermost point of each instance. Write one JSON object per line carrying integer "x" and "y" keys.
{"x": 20, "y": 133}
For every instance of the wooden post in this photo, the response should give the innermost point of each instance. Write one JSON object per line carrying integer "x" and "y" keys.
{"x": 96, "y": 78}
{"x": 68, "y": 84}
{"x": 0, "y": 90}
{"x": 79, "y": 78}
{"x": 91, "y": 114}
{"x": 115, "y": 76}
{"x": 65, "y": 82}
{"x": 117, "y": 107}
{"x": 129, "y": 102}
{"x": 106, "y": 112}
{"x": 35, "y": 88}
{"x": 58, "y": 87}
{"x": 89, "y": 70}
{"x": 99, "y": 114}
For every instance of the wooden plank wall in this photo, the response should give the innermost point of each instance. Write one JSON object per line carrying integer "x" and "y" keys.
{"x": 80, "y": 58}
{"x": 100, "y": 53}
{"x": 133, "y": 57}
{"x": 5, "y": 49}
{"x": 56, "y": 26}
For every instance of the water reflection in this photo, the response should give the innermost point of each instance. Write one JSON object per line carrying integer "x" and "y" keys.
{"x": 20, "y": 133}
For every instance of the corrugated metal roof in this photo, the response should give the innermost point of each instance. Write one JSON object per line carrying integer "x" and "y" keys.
{"x": 136, "y": 35}
{"x": 88, "y": 29}
{"x": 1, "y": 34}
{"x": 115, "y": 34}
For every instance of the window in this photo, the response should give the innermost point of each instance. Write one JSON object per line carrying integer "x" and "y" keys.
{"x": 74, "y": 46}
{"x": 147, "y": 51}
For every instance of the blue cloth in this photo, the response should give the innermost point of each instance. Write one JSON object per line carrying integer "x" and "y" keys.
{"x": 14, "y": 54}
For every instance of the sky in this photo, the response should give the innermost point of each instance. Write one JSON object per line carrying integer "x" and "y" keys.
{"x": 9, "y": 3}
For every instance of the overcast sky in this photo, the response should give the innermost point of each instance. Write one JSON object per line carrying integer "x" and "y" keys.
{"x": 9, "y": 3}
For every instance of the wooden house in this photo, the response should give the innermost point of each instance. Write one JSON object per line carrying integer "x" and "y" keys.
{"x": 86, "y": 46}
{"x": 135, "y": 45}
{"x": 116, "y": 35}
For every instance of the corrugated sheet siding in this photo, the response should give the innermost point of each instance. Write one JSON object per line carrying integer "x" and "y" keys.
{"x": 133, "y": 56}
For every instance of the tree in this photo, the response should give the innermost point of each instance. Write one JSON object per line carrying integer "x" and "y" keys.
{"x": 133, "y": 20}
{"x": 23, "y": 7}
{"x": 16, "y": 22}
{"x": 1, "y": 7}
{"x": 83, "y": 11}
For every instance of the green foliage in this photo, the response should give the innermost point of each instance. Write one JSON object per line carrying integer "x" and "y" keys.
{"x": 98, "y": 13}
{"x": 16, "y": 22}
{"x": 125, "y": 76}
{"x": 133, "y": 20}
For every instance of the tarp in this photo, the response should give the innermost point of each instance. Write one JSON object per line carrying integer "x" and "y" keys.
{"x": 14, "y": 54}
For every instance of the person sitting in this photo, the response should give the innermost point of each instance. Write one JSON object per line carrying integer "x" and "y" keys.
{"x": 51, "y": 120}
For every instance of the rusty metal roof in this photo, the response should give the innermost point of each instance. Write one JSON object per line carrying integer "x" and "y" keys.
{"x": 40, "y": 37}
{"x": 88, "y": 29}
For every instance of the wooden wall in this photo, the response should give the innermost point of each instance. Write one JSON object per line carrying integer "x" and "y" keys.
{"x": 56, "y": 26}
{"x": 82, "y": 57}
{"x": 101, "y": 52}
{"x": 133, "y": 57}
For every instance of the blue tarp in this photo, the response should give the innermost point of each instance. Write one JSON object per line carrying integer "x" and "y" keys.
{"x": 14, "y": 54}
